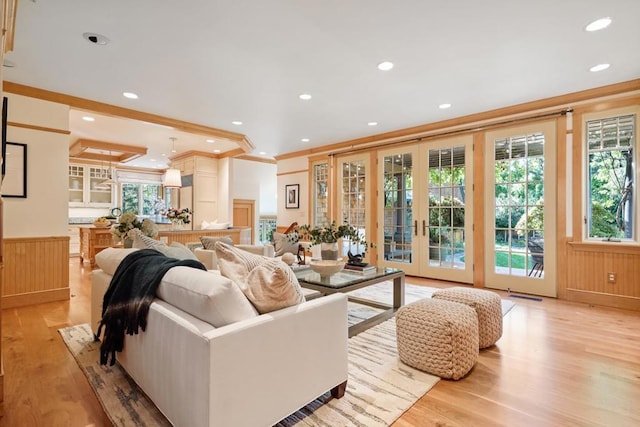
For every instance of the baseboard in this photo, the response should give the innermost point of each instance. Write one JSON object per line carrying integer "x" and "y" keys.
{"x": 20, "y": 300}
{"x": 597, "y": 298}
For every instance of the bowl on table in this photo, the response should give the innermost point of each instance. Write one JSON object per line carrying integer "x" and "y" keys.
{"x": 326, "y": 267}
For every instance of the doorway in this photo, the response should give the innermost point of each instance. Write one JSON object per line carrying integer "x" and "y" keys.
{"x": 244, "y": 215}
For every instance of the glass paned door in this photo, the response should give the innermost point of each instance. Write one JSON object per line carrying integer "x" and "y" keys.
{"x": 520, "y": 222}
{"x": 424, "y": 209}
{"x": 354, "y": 186}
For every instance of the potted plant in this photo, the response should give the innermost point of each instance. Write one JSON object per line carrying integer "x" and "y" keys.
{"x": 327, "y": 237}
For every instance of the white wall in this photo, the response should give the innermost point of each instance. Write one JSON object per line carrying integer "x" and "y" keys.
{"x": 225, "y": 208}
{"x": 293, "y": 171}
{"x": 256, "y": 181}
{"x": 45, "y": 210}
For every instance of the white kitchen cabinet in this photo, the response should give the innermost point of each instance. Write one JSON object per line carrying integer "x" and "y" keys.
{"x": 84, "y": 187}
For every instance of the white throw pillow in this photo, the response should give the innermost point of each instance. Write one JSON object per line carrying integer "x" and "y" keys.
{"x": 215, "y": 225}
{"x": 267, "y": 282}
{"x": 207, "y": 296}
{"x": 109, "y": 259}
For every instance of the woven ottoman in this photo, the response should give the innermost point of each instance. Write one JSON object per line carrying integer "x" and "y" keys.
{"x": 438, "y": 337}
{"x": 486, "y": 304}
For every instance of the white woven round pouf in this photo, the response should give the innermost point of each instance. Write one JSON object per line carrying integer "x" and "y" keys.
{"x": 486, "y": 304}
{"x": 438, "y": 337}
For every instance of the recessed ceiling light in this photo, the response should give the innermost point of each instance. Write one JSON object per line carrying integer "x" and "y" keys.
{"x": 88, "y": 119}
{"x": 598, "y": 24}
{"x": 373, "y": 123}
{"x": 236, "y": 122}
{"x": 152, "y": 160}
{"x": 385, "y": 66}
{"x": 96, "y": 38}
{"x": 262, "y": 153}
{"x": 164, "y": 155}
{"x": 444, "y": 106}
{"x": 130, "y": 95}
{"x": 599, "y": 67}
{"x": 216, "y": 151}
{"x": 211, "y": 140}
{"x": 305, "y": 140}
{"x": 305, "y": 97}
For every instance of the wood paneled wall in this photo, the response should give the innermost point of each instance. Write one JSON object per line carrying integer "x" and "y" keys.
{"x": 588, "y": 268}
{"x": 36, "y": 270}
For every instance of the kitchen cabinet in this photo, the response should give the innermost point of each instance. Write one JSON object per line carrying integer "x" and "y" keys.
{"x": 84, "y": 187}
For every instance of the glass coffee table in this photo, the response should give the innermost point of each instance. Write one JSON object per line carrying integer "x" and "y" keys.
{"x": 346, "y": 281}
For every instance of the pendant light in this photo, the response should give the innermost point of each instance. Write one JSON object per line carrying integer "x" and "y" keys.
{"x": 172, "y": 177}
{"x": 111, "y": 180}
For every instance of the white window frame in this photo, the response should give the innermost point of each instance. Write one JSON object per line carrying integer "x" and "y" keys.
{"x": 618, "y": 112}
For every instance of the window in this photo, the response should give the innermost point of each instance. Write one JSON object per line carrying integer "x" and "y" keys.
{"x": 610, "y": 211}
{"x": 143, "y": 199}
{"x": 321, "y": 199}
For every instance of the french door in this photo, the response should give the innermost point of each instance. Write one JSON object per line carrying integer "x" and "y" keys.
{"x": 520, "y": 229}
{"x": 425, "y": 209}
{"x": 353, "y": 178}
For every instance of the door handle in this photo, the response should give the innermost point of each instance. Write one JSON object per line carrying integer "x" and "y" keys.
{"x": 424, "y": 227}
{"x": 415, "y": 226}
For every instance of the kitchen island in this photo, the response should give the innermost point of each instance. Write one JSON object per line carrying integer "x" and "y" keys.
{"x": 94, "y": 239}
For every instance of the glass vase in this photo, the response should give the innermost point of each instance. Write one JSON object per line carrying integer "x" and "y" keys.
{"x": 329, "y": 251}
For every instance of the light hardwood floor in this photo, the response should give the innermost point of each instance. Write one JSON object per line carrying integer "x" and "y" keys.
{"x": 557, "y": 364}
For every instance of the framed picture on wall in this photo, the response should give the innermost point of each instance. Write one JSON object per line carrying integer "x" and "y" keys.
{"x": 292, "y": 196}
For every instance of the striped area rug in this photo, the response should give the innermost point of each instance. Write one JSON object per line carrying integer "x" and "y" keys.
{"x": 379, "y": 389}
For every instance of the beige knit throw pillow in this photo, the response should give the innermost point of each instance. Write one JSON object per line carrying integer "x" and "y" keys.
{"x": 268, "y": 283}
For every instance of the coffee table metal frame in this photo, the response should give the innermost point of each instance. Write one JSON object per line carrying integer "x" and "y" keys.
{"x": 346, "y": 281}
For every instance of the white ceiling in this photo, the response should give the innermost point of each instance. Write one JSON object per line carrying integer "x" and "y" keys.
{"x": 211, "y": 62}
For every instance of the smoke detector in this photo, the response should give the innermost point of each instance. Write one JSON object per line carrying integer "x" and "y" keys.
{"x": 96, "y": 38}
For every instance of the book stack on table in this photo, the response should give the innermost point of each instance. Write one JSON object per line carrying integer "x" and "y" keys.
{"x": 360, "y": 268}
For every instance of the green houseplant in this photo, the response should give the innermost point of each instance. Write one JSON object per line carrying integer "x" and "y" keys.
{"x": 327, "y": 237}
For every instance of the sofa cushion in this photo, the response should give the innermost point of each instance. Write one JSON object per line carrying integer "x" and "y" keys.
{"x": 108, "y": 259}
{"x": 215, "y": 225}
{"x": 268, "y": 283}
{"x": 209, "y": 242}
{"x": 207, "y": 296}
{"x": 282, "y": 244}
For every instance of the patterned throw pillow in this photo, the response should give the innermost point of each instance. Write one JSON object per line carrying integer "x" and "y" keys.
{"x": 140, "y": 241}
{"x": 176, "y": 250}
{"x": 282, "y": 244}
{"x": 267, "y": 282}
{"x": 210, "y": 242}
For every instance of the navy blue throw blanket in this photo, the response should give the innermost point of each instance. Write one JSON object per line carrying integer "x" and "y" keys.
{"x": 132, "y": 289}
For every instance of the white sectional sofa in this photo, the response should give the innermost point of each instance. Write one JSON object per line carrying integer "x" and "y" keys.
{"x": 207, "y": 358}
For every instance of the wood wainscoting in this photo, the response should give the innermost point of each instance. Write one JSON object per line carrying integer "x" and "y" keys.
{"x": 588, "y": 268}
{"x": 36, "y": 270}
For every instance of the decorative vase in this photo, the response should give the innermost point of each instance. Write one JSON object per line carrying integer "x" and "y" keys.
{"x": 128, "y": 243}
{"x": 329, "y": 251}
{"x": 176, "y": 225}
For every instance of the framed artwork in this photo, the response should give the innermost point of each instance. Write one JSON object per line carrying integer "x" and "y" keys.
{"x": 292, "y": 196}
{"x": 14, "y": 183}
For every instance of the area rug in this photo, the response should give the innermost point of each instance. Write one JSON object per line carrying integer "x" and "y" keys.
{"x": 379, "y": 389}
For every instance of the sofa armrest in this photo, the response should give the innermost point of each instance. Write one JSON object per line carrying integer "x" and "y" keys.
{"x": 277, "y": 362}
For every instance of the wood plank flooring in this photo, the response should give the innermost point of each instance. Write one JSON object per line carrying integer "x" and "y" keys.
{"x": 557, "y": 364}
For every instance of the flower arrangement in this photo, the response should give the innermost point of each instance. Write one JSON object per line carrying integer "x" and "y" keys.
{"x": 179, "y": 216}
{"x": 129, "y": 221}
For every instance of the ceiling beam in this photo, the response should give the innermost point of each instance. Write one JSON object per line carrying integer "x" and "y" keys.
{"x": 117, "y": 152}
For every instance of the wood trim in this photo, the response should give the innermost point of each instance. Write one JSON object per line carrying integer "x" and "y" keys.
{"x": 38, "y": 128}
{"x": 232, "y": 153}
{"x": 128, "y": 152}
{"x": 256, "y": 159}
{"x": 597, "y": 298}
{"x": 479, "y": 280}
{"x": 115, "y": 111}
{"x": 193, "y": 153}
{"x": 561, "y": 205}
{"x": 292, "y": 172}
{"x": 576, "y": 178}
{"x": 486, "y": 117}
{"x": 9, "y": 9}
{"x": 31, "y": 298}
{"x": 605, "y": 247}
